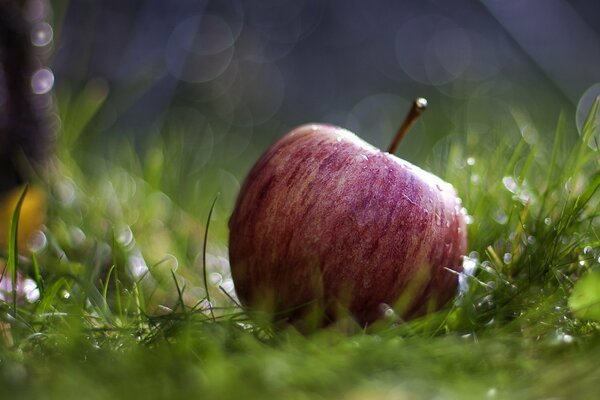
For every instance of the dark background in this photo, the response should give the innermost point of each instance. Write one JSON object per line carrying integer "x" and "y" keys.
{"x": 244, "y": 72}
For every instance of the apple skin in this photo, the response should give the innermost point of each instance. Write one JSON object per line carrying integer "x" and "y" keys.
{"x": 325, "y": 219}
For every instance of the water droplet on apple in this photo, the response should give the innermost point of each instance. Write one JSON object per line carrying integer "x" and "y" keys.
{"x": 364, "y": 157}
{"x": 339, "y": 138}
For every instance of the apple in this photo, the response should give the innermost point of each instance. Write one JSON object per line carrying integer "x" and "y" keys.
{"x": 325, "y": 221}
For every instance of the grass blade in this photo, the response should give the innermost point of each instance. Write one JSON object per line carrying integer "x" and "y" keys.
{"x": 13, "y": 249}
{"x": 212, "y": 207}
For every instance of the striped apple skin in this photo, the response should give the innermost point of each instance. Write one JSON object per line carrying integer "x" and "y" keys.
{"x": 325, "y": 219}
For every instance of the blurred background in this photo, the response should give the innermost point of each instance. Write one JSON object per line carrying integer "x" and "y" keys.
{"x": 242, "y": 72}
{"x": 215, "y": 82}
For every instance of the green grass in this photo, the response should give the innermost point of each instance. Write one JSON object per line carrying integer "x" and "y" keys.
{"x": 136, "y": 299}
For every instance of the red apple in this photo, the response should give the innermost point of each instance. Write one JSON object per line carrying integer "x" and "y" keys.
{"x": 326, "y": 221}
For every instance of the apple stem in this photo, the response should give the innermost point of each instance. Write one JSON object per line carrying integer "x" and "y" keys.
{"x": 418, "y": 106}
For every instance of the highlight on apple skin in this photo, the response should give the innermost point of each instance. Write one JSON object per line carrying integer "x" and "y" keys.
{"x": 326, "y": 223}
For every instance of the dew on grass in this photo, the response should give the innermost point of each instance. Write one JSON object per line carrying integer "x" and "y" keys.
{"x": 244, "y": 326}
{"x": 205, "y": 305}
{"x": 475, "y": 179}
{"x": 563, "y": 338}
{"x": 228, "y": 285}
{"x": 587, "y": 249}
{"x": 65, "y": 294}
{"x": 65, "y": 192}
{"x": 510, "y": 184}
{"x": 531, "y": 239}
{"x": 507, "y": 258}
{"x": 486, "y": 301}
{"x": 42, "y": 81}
{"x": 569, "y": 185}
{"x": 487, "y": 266}
{"x": 41, "y": 34}
{"x": 137, "y": 266}
{"x": 31, "y": 290}
{"x": 387, "y": 312}
{"x": 471, "y": 161}
{"x": 215, "y": 278}
{"x": 500, "y": 217}
{"x": 469, "y": 219}
{"x": 547, "y": 221}
{"x": 469, "y": 266}
{"x": 125, "y": 236}
{"x": 76, "y": 236}
{"x": 37, "y": 242}
{"x": 582, "y": 263}
{"x": 474, "y": 255}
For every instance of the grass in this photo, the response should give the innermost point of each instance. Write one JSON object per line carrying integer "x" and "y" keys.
{"x": 135, "y": 297}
